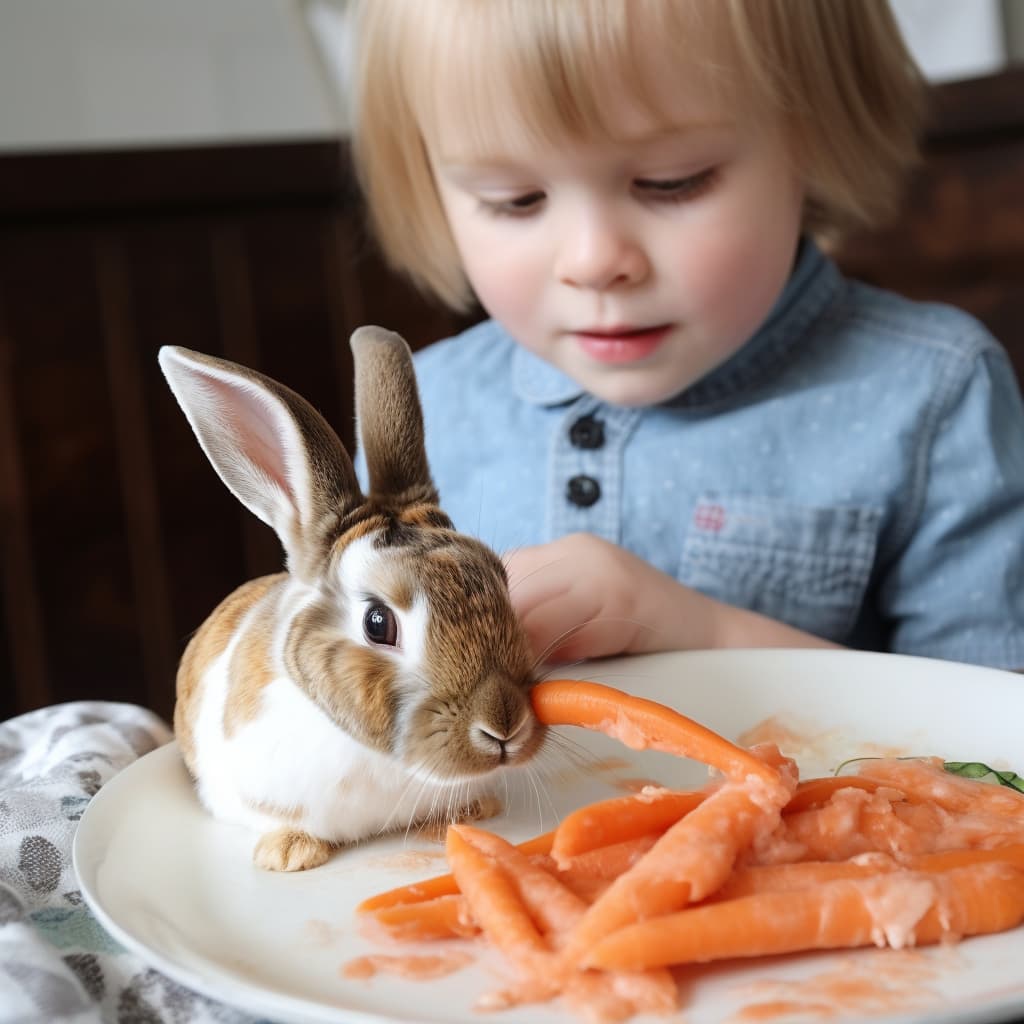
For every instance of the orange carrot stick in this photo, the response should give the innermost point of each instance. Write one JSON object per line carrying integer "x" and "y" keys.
{"x": 925, "y": 779}
{"x": 690, "y": 861}
{"x": 856, "y": 820}
{"x": 761, "y": 878}
{"x": 897, "y": 909}
{"x": 812, "y": 792}
{"x": 757, "y": 878}
{"x": 557, "y": 909}
{"x": 443, "y": 917}
{"x": 607, "y": 862}
{"x": 621, "y": 818}
{"x": 441, "y": 885}
{"x": 946, "y": 860}
{"x": 550, "y": 903}
{"x": 641, "y": 724}
{"x": 496, "y": 905}
{"x": 449, "y": 917}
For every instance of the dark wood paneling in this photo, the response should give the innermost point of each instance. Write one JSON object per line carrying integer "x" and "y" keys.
{"x": 960, "y": 236}
{"x": 116, "y": 537}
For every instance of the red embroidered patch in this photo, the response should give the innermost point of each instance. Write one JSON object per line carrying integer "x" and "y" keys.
{"x": 709, "y": 517}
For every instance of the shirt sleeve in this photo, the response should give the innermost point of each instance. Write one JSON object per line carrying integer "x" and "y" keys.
{"x": 956, "y": 590}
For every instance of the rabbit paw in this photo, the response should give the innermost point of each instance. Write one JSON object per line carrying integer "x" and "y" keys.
{"x": 290, "y": 849}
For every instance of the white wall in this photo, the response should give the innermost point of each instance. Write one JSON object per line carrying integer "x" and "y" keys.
{"x": 954, "y": 39}
{"x": 84, "y": 73}
{"x": 90, "y": 73}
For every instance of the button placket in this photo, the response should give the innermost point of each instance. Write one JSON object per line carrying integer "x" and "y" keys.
{"x": 582, "y": 490}
{"x": 585, "y": 485}
{"x": 587, "y": 432}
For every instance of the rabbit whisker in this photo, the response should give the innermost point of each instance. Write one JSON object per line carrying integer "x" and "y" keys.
{"x": 561, "y": 668}
{"x": 541, "y": 793}
{"x": 558, "y": 641}
{"x": 533, "y": 572}
{"x": 573, "y": 755}
{"x": 421, "y": 781}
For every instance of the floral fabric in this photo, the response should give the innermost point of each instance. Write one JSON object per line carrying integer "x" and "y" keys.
{"x": 57, "y": 964}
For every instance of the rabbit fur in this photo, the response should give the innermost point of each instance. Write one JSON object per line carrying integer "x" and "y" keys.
{"x": 383, "y": 678}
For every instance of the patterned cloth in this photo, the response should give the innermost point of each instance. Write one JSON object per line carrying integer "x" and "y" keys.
{"x": 57, "y": 964}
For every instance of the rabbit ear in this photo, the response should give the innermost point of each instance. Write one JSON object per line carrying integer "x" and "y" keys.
{"x": 390, "y": 419}
{"x": 271, "y": 448}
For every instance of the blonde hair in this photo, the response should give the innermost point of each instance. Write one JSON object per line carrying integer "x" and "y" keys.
{"x": 835, "y": 73}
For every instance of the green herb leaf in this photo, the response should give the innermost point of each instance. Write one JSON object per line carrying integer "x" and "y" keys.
{"x": 977, "y": 770}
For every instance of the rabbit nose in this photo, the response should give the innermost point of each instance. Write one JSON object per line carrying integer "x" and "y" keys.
{"x": 491, "y": 734}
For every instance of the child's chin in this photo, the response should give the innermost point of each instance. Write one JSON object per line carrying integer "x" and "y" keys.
{"x": 635, "y": 389}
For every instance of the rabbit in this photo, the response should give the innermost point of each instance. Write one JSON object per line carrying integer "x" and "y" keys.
{"x": 383, "y": 678}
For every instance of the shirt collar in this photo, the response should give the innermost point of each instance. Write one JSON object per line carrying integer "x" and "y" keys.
{"x": 810, "y": 288}
{"x": 538, "y": 382}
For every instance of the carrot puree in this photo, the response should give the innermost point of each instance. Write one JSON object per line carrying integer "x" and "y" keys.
{"x": 888, "y": 983}
{"x": 421, "y": 967}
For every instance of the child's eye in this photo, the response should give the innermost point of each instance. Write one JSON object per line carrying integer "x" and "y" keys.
{"x": 518, "y": 206}
{"x": 676, "y": 189}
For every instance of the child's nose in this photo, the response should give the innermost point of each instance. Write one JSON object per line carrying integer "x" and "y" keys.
{"x": 597, "y": 252}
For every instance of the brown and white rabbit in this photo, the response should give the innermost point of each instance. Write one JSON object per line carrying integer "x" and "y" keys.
{"x": 381, "y": 678}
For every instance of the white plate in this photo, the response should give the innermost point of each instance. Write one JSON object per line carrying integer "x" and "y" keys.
{"x": 179, "y": 888}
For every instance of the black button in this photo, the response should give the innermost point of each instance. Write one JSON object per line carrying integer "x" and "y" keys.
{"x": 587, "y": 432}
{"x": 583, "y": 491}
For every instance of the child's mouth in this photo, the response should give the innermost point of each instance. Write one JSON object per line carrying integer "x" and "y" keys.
{"x": 622, "y": 345}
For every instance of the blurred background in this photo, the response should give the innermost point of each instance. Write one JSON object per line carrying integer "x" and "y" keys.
{"x": 178, "y": 173}
{"x": 145, "y": 72}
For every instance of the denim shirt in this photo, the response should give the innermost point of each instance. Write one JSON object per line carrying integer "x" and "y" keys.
{"x": 855, "y": 470}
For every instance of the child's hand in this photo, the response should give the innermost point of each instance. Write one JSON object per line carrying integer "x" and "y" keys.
{"x": 583, "y": 597}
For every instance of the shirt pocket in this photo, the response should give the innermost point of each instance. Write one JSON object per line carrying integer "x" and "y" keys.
{"x": 805, "y": 565}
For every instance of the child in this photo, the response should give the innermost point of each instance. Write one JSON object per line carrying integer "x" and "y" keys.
{"x": 681, "y": 423}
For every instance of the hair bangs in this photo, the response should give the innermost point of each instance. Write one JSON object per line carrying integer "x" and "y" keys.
{"x": 478, "y": 66}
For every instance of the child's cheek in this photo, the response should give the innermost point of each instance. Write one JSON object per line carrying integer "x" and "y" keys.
{"x": 507, "y": 285}
{"x": 741, "y": 268}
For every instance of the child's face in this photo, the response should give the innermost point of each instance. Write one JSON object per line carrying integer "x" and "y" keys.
{"x": 637, "y": 265}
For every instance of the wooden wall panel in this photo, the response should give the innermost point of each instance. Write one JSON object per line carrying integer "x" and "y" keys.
{"x": 960, "y": 236}
{"x": 960, "y": 239}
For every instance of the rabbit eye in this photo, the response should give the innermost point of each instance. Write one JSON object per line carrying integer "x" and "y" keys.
{"x": 380, "y": 625}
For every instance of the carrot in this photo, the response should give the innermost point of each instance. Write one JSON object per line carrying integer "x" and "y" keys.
{"x": 813, "y": 792}
{"x": 855, "y": 821}
{"x": 449, "y": 917}
{"x": 549, "y": 902}
{"x": 606, "y": 862}
{"x": 621, "y": 818}
{"x": 443, "y": 917}
{"x": 496, "y": 906}
{"x": 757, "y": 878}
{"x": 760, "y": 878}
{"x": 641, "y": 724}
{"x": 441, "y": 885}
{"x": 901, "y": 908}
{"x": 944, "y": 860}
{"x": 924, "y": 779}
{"x": 690, "y": 861}
{"x": 557, "y": 909}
